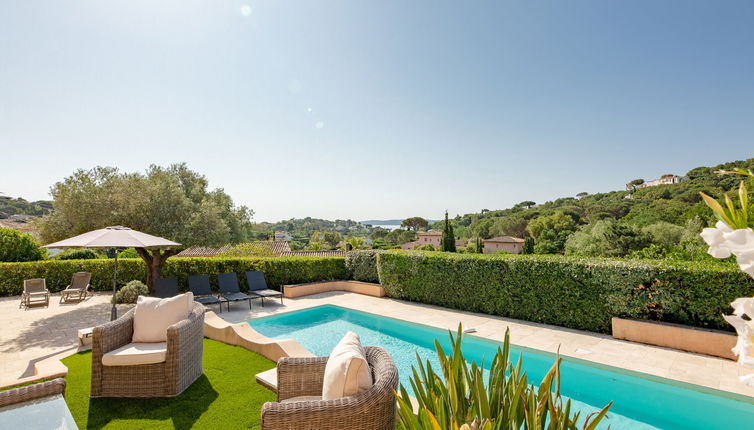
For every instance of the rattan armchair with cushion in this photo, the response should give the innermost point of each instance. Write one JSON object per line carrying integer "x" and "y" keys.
{"x": 169, "y": 367}
{"x": 300, "y": 388}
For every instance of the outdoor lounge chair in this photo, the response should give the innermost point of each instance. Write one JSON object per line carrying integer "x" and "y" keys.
{"x": 199, "y": 286}
{"x": 35, "y": 293}
{"x": 258, "y": 286}
{"x": 229, "y": 289}
{"x": 163, "y": 369}
{"x": 79, "y": 288}
{"x": 300, "y": 383}
{"x": 165, "y": 287}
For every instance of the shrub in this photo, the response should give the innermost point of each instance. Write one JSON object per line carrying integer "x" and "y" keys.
{"x": 460, "y": 398}
{"x": 130, "y": 292}
{"x": 78, "y": 254}
{"x": 426, "y": 247}
{"x": 278, "y": 271}
{"x": 580, "y": 293}
{"x": 362, "y": 265}
{"x": 128, "y": 253}
{"x": 17, "y": 246}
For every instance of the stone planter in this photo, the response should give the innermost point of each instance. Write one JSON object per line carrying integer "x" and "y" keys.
{"x": 685, "y": 338}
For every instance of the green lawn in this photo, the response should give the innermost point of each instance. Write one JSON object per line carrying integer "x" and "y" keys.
{"x": 226, "y": 396}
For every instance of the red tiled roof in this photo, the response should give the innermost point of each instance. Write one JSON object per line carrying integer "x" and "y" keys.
{"x": 328, "y": 253}
{"x": 505, "y": 239}
{"x": 277, "y": 248}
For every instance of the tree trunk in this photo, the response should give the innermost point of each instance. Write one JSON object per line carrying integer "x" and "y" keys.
{"x": 155, "y": 260}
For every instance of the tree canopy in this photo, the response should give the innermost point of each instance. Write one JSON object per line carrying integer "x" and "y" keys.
{"x": 172, "y": 202}
{"x": 415, "y": 223}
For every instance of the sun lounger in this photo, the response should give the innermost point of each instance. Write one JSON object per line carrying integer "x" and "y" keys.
{"x": 229, "y": 289}
{"x": 166, "y": 287}
{"x": 79, "y": 288}
{"x": 199, "y": 286}
{"x": 258, "y": 286}
{"x": 35, "y": 293}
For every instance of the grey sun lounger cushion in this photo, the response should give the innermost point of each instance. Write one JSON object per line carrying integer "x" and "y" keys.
{"x": 199, "y": 286}
{"x": 229, "y": 289}
{"x": 258, "y": 286}
{"x": 166, "y": 287}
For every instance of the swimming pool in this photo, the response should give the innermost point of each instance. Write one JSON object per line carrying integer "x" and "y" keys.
{"x": 640, "y": 401}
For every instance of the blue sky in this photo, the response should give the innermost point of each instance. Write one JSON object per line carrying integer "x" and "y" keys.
{"x": 380, "y": 109}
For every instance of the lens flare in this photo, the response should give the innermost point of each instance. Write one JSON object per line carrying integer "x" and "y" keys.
{"x": 319, "y": 124}
{"x": 246, "y": 10}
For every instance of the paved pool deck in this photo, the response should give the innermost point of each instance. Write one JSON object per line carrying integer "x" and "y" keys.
{"x": 27, "y": 336}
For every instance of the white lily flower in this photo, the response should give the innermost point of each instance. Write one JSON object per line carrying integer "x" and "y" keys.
{"x": 740, "y": 241}
{"x": 743, "y": 306}
{"x": 715, "y": 238}
{"x": 746, "y": 262}
{"x": 744, "y": 332}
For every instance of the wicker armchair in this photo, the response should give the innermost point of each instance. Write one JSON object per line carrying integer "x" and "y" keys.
{"x": 182, "y": 366}
{"x": 373, "y": 409}
{"x": 32, "y": 392}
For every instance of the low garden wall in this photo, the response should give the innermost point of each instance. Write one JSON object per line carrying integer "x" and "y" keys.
{"x": 277, "y": 271}
{"x": 570, "y": 292}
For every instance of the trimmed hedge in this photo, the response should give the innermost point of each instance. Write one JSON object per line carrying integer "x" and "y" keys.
{"x": 277, "y": 271}
{"x": 362, "y": 265}
{"x": 580, "y": 293}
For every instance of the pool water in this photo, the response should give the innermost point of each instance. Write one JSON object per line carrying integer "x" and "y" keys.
{"x": 640, "y": 401}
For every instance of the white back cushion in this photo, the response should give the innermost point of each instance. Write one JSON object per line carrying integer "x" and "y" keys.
{"x": 347, "y": 371}
{"x": 153, "y": 316}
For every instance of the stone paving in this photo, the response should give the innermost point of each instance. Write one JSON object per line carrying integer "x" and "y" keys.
{"x": 27, "y": 336}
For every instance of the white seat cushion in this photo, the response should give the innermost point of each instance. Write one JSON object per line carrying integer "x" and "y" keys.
{"x": 347, "y": 371}
{"x": 134, "y": 354}
{"x": 153, "y": 316}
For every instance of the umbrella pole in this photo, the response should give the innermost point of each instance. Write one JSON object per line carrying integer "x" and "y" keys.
{"x": 114, "y": 310}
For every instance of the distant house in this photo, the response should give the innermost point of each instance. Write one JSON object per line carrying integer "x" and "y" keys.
{"x": 663, "y": 180}
{"x": 432, "y": 237}
{"x": 283, "y": 236}
{"x": 514, "y": 245}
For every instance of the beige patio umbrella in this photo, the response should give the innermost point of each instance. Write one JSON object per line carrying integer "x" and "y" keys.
{"x": 117, "y": 237}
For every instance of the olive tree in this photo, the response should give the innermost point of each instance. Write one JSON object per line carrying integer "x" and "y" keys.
{"x": 173, "y": 202}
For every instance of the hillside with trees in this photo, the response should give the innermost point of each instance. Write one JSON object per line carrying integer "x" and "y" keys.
{"x": 10, "y": 206}
{"x": 660, "y": 221}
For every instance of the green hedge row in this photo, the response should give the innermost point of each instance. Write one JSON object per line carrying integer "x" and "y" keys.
{"x": 570, "y": 292}
{"x": 278, "y": 271}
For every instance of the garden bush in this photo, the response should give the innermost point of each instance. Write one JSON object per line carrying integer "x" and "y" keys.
{"x": 580, "y": 293}
{"x": 362, "y": 265}
{"x": 78, "y": 254}
{"x": 17, "y": 246}
{"x": 131, "y": 291}
{"x": 277, "y": 271}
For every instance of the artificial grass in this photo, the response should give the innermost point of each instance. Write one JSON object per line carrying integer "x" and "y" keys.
{"x": 226, "y": 396}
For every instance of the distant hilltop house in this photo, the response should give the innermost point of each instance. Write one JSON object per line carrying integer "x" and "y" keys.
{"x": 663, "y": 180}
{"x": 513, "y": 245}
{"x": 283, "y": 236}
